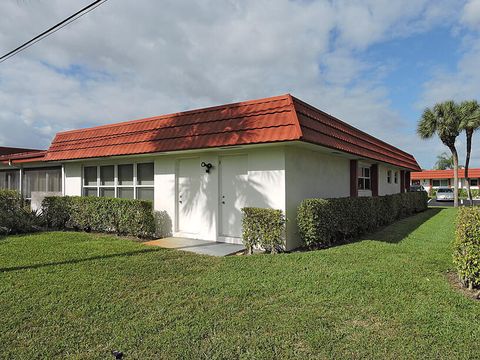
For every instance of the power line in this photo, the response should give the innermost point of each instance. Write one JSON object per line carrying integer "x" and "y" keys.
{"x": 53, "y": 29}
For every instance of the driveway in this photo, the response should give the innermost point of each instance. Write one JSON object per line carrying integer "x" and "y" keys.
{"x": 462, "y": 202}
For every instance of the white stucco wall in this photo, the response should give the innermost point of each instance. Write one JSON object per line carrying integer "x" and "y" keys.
{"x": 265, "y": 186}
{"x": 279, "y": 177}
{"x": 73, "y": 179}
{"x": 312, "y": 174}
{"x": 385, "y": 188}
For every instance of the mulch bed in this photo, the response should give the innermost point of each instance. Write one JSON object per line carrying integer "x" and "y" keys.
{"x": 455, "y": 282}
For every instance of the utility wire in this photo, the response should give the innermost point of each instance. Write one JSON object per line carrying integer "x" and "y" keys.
{"x": 53, "y": 29}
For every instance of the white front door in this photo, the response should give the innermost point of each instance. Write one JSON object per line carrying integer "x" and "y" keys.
{"x": 233, "y": 194}
{"x": 188, "y": 194}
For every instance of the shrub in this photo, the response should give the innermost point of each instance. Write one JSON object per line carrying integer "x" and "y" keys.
{"x": 322, "y": 222}
{"x": 163, "y": 224}
{"x": 15, "y": 216}
{"x": 462, "y": 193}
{"x": 119, "y": 216}
{"x": 466, "y": 246}
{"x": 264, "y": 228}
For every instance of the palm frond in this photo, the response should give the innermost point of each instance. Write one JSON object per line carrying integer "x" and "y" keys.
{"x": 427, "y": 125}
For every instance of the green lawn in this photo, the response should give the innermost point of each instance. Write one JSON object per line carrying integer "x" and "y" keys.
{"x": 73, "y": 295}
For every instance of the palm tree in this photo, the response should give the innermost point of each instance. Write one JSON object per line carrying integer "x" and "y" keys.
{"x": 444, "y": 162}
{"x": 444, "y": 120}
{"x": 470, "y": 122}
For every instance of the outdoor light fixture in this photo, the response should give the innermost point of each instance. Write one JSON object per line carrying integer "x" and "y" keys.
{"x": 208, "y": 166}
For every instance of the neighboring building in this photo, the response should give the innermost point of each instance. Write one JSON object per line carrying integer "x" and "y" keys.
{"x": 13, "y": 150}
{"x": 202, "y": 166}
{"x": 433, "y": 179}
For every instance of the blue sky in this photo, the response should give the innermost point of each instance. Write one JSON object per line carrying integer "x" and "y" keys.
{"x": 373, "y": 63}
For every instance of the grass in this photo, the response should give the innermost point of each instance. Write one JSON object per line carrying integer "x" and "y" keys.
{"x": 74, "y": 295}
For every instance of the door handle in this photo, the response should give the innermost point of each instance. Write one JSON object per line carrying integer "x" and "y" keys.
{"x": 223, "y": 202}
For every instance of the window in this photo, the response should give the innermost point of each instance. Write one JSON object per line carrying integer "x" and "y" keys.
{"x": 145, "y": 174}
{"x": 145, "y": 194}
{"x": 396, "y": 177}
{"x": 125, "y": 174}
{"x": 42, "y": 180}
{"x": 441, "y": 182}
{"x": 445, "y": 190}
{"x": 10, "y": 180}
{"x": 364, "y": 179}
{"x": 473, "y": 182}
{"x": 107, "y": 175}
{"x": 107, "y": 181}
{"x": 90, "y": 181}
{"x": 90, "y": 192}
{"x": 127, "y": 181}
{"x": 54, "y": 180}
{"x": 389, "y": 176}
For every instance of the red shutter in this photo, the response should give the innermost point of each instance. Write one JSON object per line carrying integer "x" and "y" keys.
{"x": 402, "y": 181}
{"x": 374, "y": 179}
{"x": 353, "y": 178}
{"x": 407, "y": 180}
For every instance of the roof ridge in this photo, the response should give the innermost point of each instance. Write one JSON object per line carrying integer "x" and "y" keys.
{"x": 297, "y": 120}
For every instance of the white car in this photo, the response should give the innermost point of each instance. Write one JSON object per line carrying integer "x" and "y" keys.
{"x": 444, "y": 194}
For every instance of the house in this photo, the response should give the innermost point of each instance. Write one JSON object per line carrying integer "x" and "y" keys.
{"x": 433, "y": 179}
{"x": 201, "y": 167}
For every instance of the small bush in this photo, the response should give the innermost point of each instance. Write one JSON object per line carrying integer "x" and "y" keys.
{"x": 119, "y": 216}
{"x": 163, "y": 224}
{"x": 322, "y": 222}
{"x": 462, "y": 193}
{"x": 15, "y": 216}
{"x": 466, "y": 247}
{"x": 264, "y": 228}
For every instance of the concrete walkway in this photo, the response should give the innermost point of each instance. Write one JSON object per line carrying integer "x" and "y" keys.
{"x": 197, "y": 246}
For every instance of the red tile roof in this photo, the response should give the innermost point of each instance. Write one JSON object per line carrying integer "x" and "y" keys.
{"x": 24, "y": 157}
{"x": 275, "y": 119}
{"x": 443, "y": 174}
{"x": 323, "y": 129}
{"x": 5, "y": 150}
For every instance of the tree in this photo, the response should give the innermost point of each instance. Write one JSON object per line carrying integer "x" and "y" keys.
{"x": 470, "y": 111}
{"x": 444, "y": 120}
{"x": 444, "y": 162}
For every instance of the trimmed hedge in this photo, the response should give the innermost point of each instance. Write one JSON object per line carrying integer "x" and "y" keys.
{"x": 111, "y": 215}
{"x": 264, "y": 228}
{"x": 15, "y": 216}
{"x": 323, "y": 222}
{"x": 466, "y": 247}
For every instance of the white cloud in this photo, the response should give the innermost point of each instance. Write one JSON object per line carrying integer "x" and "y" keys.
{"x": 471, "y": 14}
{"x": 128, "y": 59}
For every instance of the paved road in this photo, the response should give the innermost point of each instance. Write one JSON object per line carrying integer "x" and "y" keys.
{"x": 434, "y": 202}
